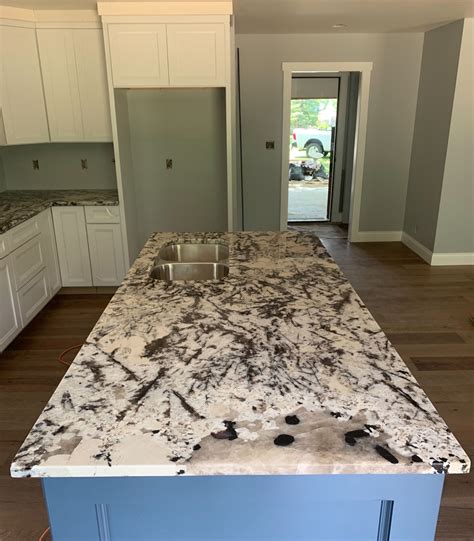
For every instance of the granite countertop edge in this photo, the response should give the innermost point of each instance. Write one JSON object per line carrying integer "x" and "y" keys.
{"x": 18, "y": 206}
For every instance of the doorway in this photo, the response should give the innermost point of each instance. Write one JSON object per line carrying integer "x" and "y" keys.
{"x": 344, "y": 183}
{"x": 313, "y": 128}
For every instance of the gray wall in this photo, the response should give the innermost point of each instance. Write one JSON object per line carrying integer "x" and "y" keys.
{"x": 60, "y": 166}
{"x": 393, "y": 94}
{"x": 188, "y": 126}
{"x": 455, "y": 229}
{"x": 433, "y": 118}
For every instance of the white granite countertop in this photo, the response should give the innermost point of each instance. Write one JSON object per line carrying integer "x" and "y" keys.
{"x": 17, "y": 206}
{"x": 277, "y": 369}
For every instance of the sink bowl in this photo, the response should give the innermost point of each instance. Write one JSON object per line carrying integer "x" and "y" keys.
{"x": 189, "y": 271}
{"x": 194, "y": 253}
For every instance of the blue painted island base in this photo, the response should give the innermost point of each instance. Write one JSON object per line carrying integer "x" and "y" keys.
{"x": 245, "y": 508}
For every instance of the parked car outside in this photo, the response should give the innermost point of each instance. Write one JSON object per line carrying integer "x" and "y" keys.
{"x": 315, "y": 142}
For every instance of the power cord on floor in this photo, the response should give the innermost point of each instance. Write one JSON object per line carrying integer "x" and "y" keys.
{"x": 63, "y": 354}
{"x": 44, "y": 534}
{"x": 42, "y": 537}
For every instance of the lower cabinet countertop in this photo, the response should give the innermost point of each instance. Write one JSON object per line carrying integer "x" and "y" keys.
{"x": 277, "y": 369}
{"x": 17, "y": 206}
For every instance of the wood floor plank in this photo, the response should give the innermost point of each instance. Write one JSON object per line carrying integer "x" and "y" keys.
{"x": 443, "y": 363}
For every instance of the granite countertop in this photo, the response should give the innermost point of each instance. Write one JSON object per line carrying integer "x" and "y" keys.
{"x": 277, "y": 369}
{"x": 17, "y": 206}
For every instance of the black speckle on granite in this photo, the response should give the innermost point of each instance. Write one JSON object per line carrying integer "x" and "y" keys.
{"x": 283, "y": 440}
{"x": 196, "y": 447}
{"x": 228, "y": 434}
{"x": 416, "y": 458}
{"x": 352, "y": 436}
{"x": 292, "y": 420}
{"x": 385, "y": 453}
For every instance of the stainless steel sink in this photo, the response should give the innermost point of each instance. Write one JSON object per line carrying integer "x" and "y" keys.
{"x": 189, "y": 271}
{"x": 194, "y": 252}
{"x": 191, "y": 261}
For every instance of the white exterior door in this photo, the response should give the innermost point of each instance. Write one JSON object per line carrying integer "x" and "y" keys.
{"x": 22, "y": 99}
{"x": 73, "y": 249}
{"x": 139, "y": 55}
{"x": 107, "y": 261}
{"x": 10, "y": 324}
{"x": 196, "y": 54}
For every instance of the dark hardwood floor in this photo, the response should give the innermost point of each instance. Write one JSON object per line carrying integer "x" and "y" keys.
{"x": 426, "y": 311}
{"x": 29, "y": 373}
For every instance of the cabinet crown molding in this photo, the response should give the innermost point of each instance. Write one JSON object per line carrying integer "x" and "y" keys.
{"x": 165, "y": 8}
{"x": 49, "y": 15}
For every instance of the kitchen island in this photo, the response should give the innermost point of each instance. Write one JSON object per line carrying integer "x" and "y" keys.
{"x": 268, "y": 405}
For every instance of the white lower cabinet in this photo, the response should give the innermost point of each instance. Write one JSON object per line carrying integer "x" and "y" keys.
{"x": 50, "y": 252}
{"x": 29, "y": 273}
{"x": 105, "y": 246}
{"x": 69, "y": 246}
{"x": 73, "y": 247}
{"x": 10, "y": 322}
{"x": 90, "y": 249}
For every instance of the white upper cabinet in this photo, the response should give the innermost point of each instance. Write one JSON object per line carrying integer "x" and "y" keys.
{"x": 93, "y": 89}
{"x": 61, "y": 85}
{"x": 139, "y": 55}
{"x": 21, "y": 87}
{"x": 196, "y": 54}
{"x": 75, "y": 83}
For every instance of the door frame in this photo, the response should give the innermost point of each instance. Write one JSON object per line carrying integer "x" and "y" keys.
{"x": 365, "y": 69}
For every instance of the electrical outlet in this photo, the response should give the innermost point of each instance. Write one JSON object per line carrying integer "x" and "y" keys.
{"x": 169, "y": 163}
{"x": 270, "y": 145}
{"x": 36, "y": 165}
{"x": 84, "y": 164}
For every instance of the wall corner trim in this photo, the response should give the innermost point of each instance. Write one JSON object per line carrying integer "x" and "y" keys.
{"x": 437, "y": 259}
{"x": 417, "y": 247}
{"x": 377, "y": 236}
{"x": 463, "y": 258}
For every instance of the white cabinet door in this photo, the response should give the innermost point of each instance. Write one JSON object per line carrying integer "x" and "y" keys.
{"x": 93, "y": 89}
{"x": 28, "y": 260}
{"x": 33, "y": 296}
{"x": 73, "y": 249}
{"x": 61, "y": 85}
{"x": 196, "y": 54}
{"x": 23, "y": 107}
{"x": 139, "y": 55}
{"x": 107, "y": 260}
{"x": 50, "y": 252}
{"x": 10, "y": 324}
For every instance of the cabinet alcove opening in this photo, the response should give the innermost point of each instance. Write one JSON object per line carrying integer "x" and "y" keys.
{"x": 187, "y": 126}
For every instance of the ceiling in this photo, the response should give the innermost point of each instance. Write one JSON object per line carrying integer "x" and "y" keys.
{"x": 317, "y": 16}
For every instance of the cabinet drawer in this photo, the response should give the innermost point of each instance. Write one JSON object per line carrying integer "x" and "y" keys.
{"x": 24, "y": 232}
{"x": 4, "y": 244}
{"x": 27, "y": 261}
{"x": 33, "y": 296}
{"x": 102, "y": 215}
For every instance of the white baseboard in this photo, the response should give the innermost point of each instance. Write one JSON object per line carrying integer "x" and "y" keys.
{"x": 377, "y": 236}
{"x": 417, "y": 247}
{"x": 438, "y": 258}
{"x": 465, "y": 258}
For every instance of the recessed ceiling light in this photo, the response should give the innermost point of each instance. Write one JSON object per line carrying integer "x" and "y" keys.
{"x": 339, "y": 25}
